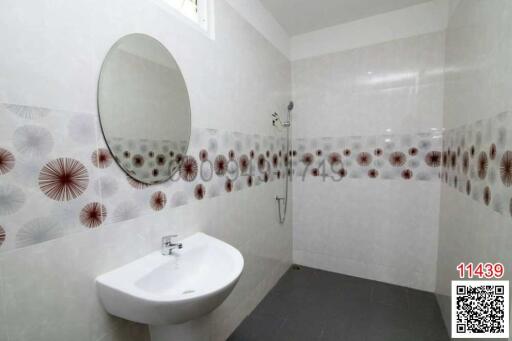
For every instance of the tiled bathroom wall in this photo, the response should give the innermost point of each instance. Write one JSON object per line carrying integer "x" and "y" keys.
{"x": 379, "y": 110}
{"x": 58, "y": 176}
{"x": 475, "y": 216}
{"x": 60, "y": 232}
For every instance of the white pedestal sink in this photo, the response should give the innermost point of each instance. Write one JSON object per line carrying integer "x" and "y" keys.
{"x": 173, "y": 294}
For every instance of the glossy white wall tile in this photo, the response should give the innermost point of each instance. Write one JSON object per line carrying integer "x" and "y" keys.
{"x": 236, "y": 82}
{"x": 382, "y": 230}
{"x": 478, "y": 53}
{"x": 475, "y": 227}
{"x": 3, "y": 331}
{"x": 366, "y": 225}
{"x": 396, "y": 85}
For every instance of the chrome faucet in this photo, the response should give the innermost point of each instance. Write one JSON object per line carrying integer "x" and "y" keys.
{"x": 168, "y": 245}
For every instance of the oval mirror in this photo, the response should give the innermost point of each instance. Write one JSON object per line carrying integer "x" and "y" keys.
{"x": 144, "y": 108}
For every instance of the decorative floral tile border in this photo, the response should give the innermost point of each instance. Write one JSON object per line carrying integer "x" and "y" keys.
{"x": 407, "y": 157}
{"x": 57, "y": 175}
{"x": 477, "y": 161}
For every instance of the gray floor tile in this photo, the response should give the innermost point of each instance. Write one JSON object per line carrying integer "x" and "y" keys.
{"x": 310, "y": 304}
{"x": 390, "y": 334}
{"x": 388, "y": 294}
{"x": 300, "y": 331}
{"x": 421, "y": 300}
{"x": 295, "y": 280}
{"x": 258, "y": 327}
{"x": 352, "y": 328}
{"x": 381, "y": 317}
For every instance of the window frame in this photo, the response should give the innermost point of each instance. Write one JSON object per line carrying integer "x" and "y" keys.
{"x": 203, "y": 22}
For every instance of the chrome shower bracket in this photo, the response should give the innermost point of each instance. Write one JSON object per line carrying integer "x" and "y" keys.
{"x": 276, "y": 121}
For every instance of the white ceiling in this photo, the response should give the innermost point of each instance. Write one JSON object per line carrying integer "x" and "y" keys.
{"x": 302, "y": 16}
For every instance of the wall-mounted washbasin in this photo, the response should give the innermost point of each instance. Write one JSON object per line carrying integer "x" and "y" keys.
{"x": 171, "y": 290}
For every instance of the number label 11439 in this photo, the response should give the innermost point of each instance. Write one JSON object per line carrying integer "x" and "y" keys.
{"x": 480, "y": 270}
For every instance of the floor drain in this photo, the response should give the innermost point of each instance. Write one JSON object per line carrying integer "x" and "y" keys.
{"x": 188, "y": 292}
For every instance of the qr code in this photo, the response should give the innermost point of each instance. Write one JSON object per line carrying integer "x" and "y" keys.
{"x": 480, "y": 309}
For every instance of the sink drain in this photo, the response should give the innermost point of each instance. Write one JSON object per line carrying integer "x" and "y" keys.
{"x": 188, "y": 292}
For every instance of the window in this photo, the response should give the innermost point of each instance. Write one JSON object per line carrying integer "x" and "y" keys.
{"x": 197, "y": 11}
{"x": 187, "y": 7}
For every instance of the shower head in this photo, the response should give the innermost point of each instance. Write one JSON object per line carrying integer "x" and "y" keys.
{"x": 290, "y": 106}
